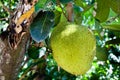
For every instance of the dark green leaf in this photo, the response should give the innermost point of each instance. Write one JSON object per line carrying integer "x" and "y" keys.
{"x": 54, "y": 1}
{"x": 116, "y": 33}
{"x": 101, "y": 53}
{"x": 65, "y": 1}
{"x": 102, "y": 10}
{"x": 77, "y": 8}
{"x": 77, "y": 17}
{"x": 33, "y": 52}
{"x": 42, "y": 25}
{"x": 115, "y": 5}
{"x": 113, "y": 41}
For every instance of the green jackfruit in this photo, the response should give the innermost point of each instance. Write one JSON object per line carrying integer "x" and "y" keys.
{"x": 73, "y": 47}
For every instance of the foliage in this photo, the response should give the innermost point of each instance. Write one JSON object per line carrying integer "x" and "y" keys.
{"x": 101, "y": 16}
{"x": 41, "y": 26}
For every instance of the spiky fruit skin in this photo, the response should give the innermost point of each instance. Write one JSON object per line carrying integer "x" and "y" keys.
{"x": 73, "y": 48}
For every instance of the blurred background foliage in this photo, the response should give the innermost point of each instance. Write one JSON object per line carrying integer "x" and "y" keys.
{"x": 101, "y": 16}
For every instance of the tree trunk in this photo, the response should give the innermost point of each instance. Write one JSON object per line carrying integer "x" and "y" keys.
{"x": 11, "y": 59}
{"x": 14, "y": 41}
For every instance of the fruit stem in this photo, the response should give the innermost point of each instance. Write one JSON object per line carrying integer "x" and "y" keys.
{"x": 69, "y": 9}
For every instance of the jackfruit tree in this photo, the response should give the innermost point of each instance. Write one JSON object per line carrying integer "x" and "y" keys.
{"x": 59, "y": 39}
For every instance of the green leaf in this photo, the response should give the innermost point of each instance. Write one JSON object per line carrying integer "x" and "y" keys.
{"x": 42, "y": 25}
{"x": 115, "y": 27}
{"x": 33, "y": 52}
{"x": 112, "y": 14}
{"x": 57, "y": 8}
{"x": 113, "y": 41}
{"x": 78, "y": 14}
{"x": 54, "y": 1}
{"x": 57, "y": 17}
{"x": 57, "y": 12}
{"x": 78, "y": 3}
{"x": 115, "y": 5}
{"x": 1, "y": 4}
{"x": 102, "y": 11}
{"x": 65, "y": 1}
{"x": 98, "y": 31}
{"x": 116, "y": 33}
{"x": 101, "y": 53}
{"x": 40, "y": 4}
{"x": 77, "y": 8}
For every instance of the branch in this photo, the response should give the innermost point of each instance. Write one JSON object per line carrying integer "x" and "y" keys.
{"x": 58, "y": 2}
{"x": 7, "y": 9}
{"x": 4, "y": 18}
{"x": 112, "y": 19}
{"x": 69, "y": 9}
{"x": 63, "y": 11}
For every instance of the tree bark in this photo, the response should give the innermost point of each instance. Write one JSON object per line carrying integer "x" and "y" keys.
{"x": 11, "y": 59}
{"x": 15, "y": 40}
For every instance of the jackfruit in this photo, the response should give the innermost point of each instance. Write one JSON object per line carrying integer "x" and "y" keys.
{"x": 73, "y": 47}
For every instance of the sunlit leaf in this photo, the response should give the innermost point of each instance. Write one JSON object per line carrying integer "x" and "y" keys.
{"x": 42, "y": 25}
{"x": 57, "y": 12}
{"x": 78, "y": 3}
{"x": 57, "y": 17}
{"x": 98, "y": 30}
{"x": 57, "y": 8}
{"x": 115, "y": 27}
{"x": 112, "y": 13}
{"x": 1, "y": 4}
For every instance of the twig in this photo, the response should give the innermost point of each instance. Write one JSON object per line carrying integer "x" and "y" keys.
{"x": 63, "y": 11}
{"x": 112, "y": 19}
{"x": 4, "y": 18}
{"x": 30, "y": 67}
{"x": 58, "y": 2}
{"x": 9, "y": 4}
{"x": 7, "y": 9}
{"x": 24, "y": 63}
{"x": 69, "y": 9}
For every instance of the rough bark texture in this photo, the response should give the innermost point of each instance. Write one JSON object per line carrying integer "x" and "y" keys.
{"x": 13, "y": 46}
{"x": 10, "y": 59}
